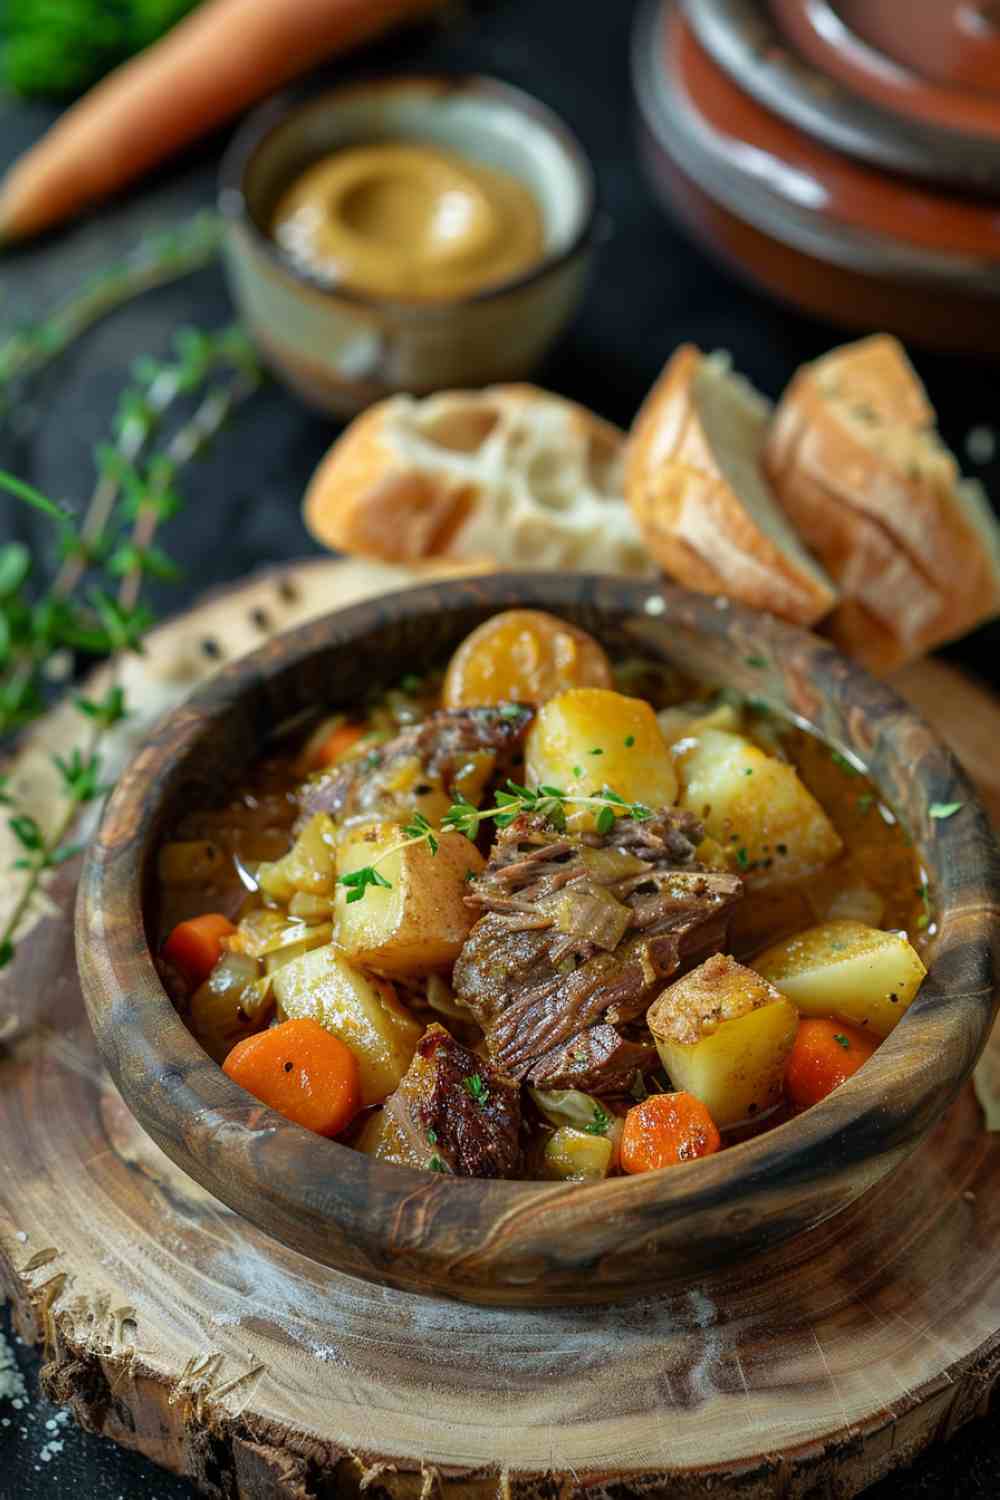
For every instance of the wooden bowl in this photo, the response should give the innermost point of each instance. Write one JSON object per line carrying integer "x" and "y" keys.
{"x": 534, "y": 1243}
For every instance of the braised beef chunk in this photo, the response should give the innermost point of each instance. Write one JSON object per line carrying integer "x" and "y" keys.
{"x": 577, "y": 934}
{"x": 457, "y": 1113}
{"x": 598, "y": 1060}
{"x": 454, "y": 750}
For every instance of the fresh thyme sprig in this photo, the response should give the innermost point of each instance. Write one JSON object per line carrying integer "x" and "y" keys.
{"x": 159, "y": 258}
{"x": 135, "y": 493}
{"x": 548, "y": 802}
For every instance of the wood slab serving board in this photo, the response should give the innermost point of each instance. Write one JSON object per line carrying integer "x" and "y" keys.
{"x": 176, "y": 1329}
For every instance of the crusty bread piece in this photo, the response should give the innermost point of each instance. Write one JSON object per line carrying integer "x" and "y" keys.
{"x": 694, "y": 482}
{"x": 855, "y": 461}
{"x": 511, "y": 475}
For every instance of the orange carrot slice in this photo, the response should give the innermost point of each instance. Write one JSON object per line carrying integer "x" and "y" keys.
{"x": 666, "y": 1129}
{"x": 301, "y": 1070}
{"x": 195, "y": 946}
{"x": 824, "y": 1055}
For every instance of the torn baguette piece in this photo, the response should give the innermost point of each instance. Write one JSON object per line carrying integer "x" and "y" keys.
{"x": 512, "y": 475}
{"x": 856, "y": 463}
{"x": 698, "y": 492}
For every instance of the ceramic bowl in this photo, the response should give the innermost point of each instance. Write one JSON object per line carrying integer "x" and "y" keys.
{"x": 534, "y": 1243}
{"x": 342, "y": 349}
{"x": 836, "y": 236}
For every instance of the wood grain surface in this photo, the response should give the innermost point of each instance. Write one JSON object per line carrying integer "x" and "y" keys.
{"x": 174, "y": 1327}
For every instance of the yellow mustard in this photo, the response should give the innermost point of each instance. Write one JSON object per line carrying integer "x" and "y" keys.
{"x": 409, "y": 221}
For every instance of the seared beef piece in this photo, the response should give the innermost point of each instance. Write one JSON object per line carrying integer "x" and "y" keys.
{"x": 598, "y": 1060}
{"x": 442, "y": 747}
{"x": 452, "y": 1108}
{"x": 578, "y": 933}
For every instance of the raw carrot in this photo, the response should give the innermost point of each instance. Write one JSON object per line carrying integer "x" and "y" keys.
{"x": 209, "y": 67}
{"x": 195, "y": 946}
{"x": 666, "y": 1129}
{"x": 825, "y": 1053}
{"x": 336, "y": 744}
{"x": 301, "y": 1070}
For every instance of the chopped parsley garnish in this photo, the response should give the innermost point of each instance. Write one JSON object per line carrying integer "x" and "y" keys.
{"x": 843, "y": 763}
{"x": 476, "y": 1088}
{"x": 598, "y": 751}
{"x": 743, "y": 859}
{"x": 748, "y": 771}
{"x": 599, "y": 1124}
{"x": 436, "y": 1164}
{"x": 841, "y": 1040}
{"x": 511, "y": 711}
{"x": 629, "y": 741}
{"x": 756, "y": 661}
{"x": 432, "y": 1137}
{"x": 577, "y": 770}
{"x": 942, "y": 810}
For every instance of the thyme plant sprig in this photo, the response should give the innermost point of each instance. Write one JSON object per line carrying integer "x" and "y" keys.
{"x": 134, "y": 494}
{"x": 548, "y": 802}
{"x": 159, "y": 258}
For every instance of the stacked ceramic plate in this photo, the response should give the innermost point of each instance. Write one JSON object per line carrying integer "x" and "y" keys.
{"x": 843, "y": 153}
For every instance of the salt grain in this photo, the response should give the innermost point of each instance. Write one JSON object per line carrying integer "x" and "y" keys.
{"x": 980, "y": 445}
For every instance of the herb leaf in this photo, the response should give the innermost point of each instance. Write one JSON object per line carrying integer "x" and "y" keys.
{"x": 942, "y": 810}
{"x": 476, "y": 1088}
{"x": 599, "y": 1124}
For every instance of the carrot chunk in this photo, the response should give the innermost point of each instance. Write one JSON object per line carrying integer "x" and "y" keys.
{"x": 666, "y": 1129}
{"x": 824, "y": 1054}
{"x": 301, "y": 1070}
{"x": 334, "y": 746}
{"x": 195, "y": 946}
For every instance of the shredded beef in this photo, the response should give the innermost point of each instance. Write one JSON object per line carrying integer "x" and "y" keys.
{"x": 576, "y": 935}
{"x": 456, "y": 1112}
{"x": 440, "y": 749}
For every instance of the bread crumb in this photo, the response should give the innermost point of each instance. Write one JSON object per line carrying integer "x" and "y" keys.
{"x": 969, "y": 1196}
{"x": 980, "y": 445}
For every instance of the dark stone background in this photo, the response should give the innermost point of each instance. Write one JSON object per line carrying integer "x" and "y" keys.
{"x": 651, "y": 289}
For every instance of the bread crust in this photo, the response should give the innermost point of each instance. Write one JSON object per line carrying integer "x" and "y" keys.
{"x": 693, "y": 521}
{"x": 425, "y": 478}
{"x": 849, "y": 459}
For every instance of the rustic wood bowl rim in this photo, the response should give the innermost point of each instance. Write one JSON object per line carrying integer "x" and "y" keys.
{"x": 165, "y": 1075}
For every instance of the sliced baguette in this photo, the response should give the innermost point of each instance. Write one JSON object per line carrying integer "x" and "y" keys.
{"x": 855, "y": 461}
{"x": 694, "y": 482}
{"x": 510, "y": 475}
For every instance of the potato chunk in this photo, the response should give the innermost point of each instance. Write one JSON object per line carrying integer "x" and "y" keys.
{"x": 756, "y": 807}
{"x": 419, "y": 924}
{"x": 588, "y": 738}
{"x": 723, "y": 1034}
{"x": 361, "y": 1010}
{"x": 573, "y": 1156}
{"x": 846, "y": 969}
{"x": 523, "y": 656}
{"x": 308, "y": 866}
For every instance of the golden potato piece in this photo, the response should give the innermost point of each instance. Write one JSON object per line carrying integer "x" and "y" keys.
{"x": 308, "y": 866}
{"x": 846, "y": 969}
{"x": 724, "y": 1034}
{"x": 361, "y": 1010}
{"x": 756, "y": 807}
{"x": 589, "y": 738}
{"x": 574, "y": 1156}
{"x": 523, "y": 656}
{"x": 420, "y": 923}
